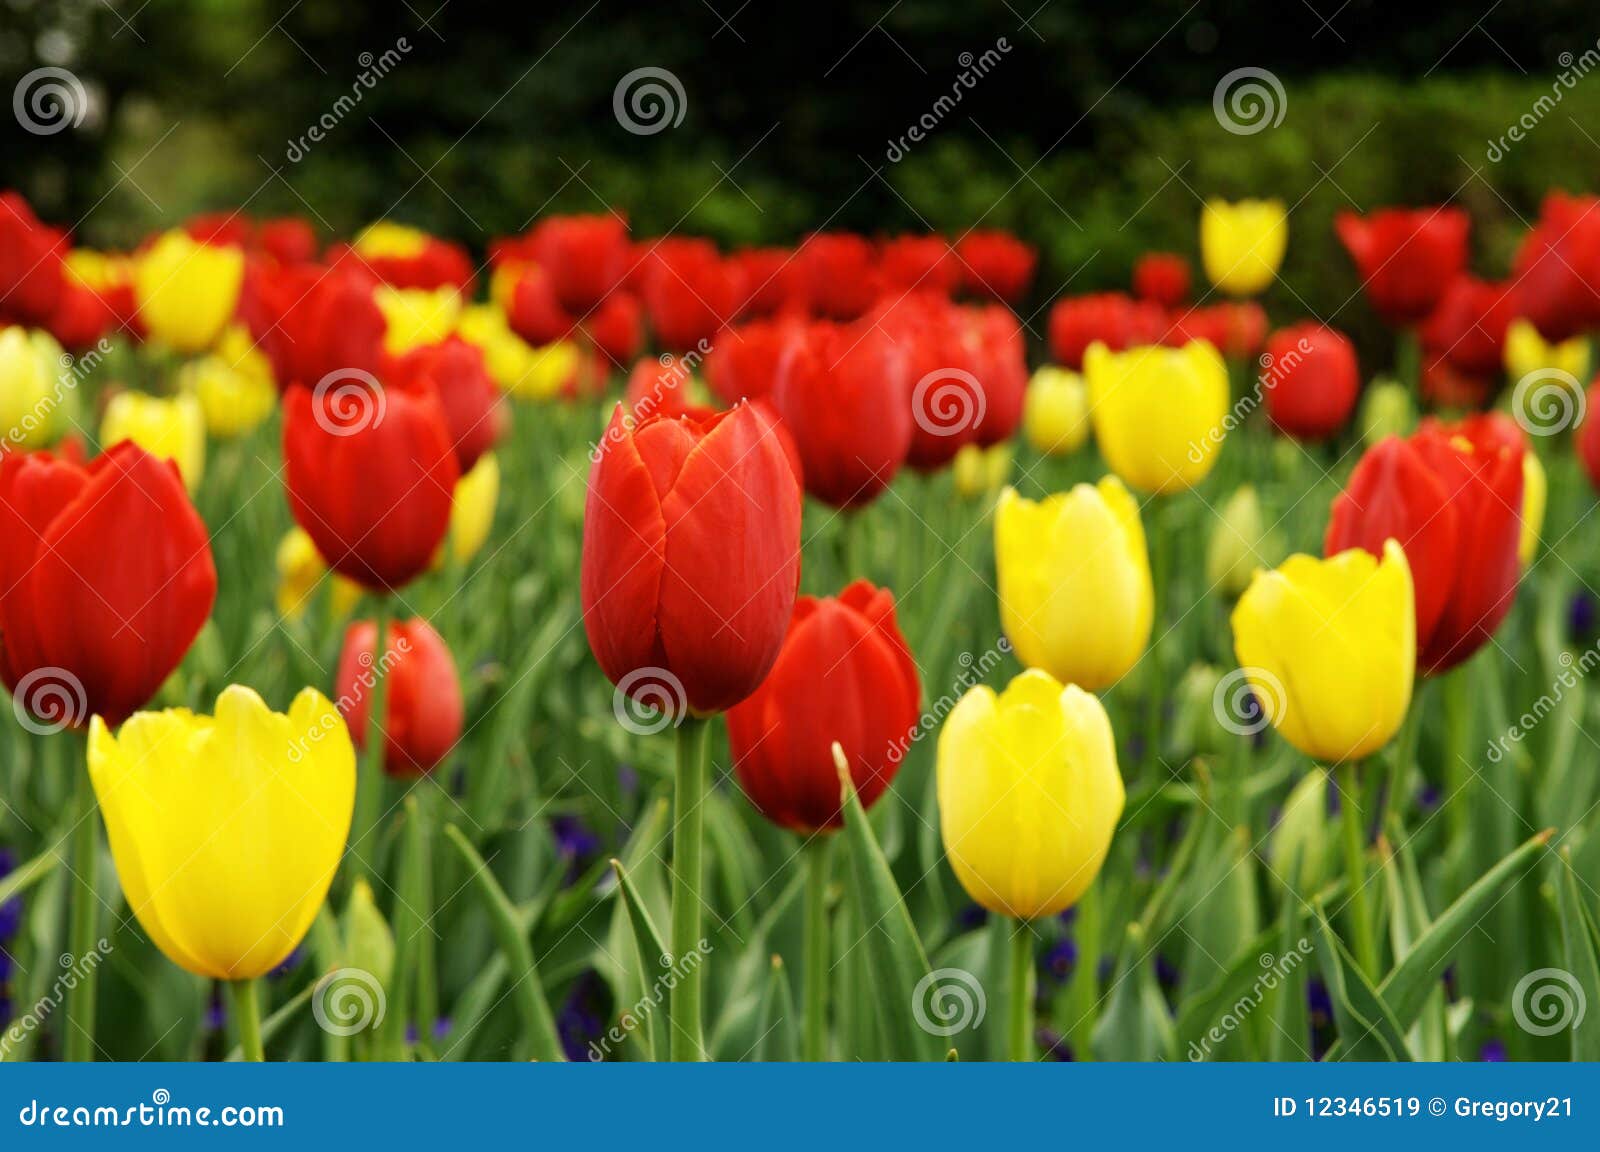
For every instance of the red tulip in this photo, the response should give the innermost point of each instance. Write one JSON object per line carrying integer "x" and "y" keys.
{"x": 765, "y": 274}
{"x": 1117, "y": 321}
{"x": 995, "y": 264}
{"x": 918, "y": 264}
{"x": 288, "y": 240}
{"x": 1236, "y": 328}
{"x": 1588, "y": 435}
{"x": 534, "y": 312}
{"x": 81, "y": 316}
{"x": 615, "y": 327}
{"x": 1311, "y": 380}
{"x": 221, "y": 229}
{"x": 310, "y": 321}
{"x": 586, "y": 257}
{"x": 1556, "y": 277}
{"x": 439, "y": 264}
{"x": 1162, "y": 278}
{"x": 30, "y": 263}
{"x": 743, "y": 363}
{"x": 1468, "y": 328}
{"x": 945, "y": 361}
{"x": 691, "y": 556}
{"x": 658, "y": 389}
{"x": 474, "y": 407}
{"x": 1002, "y": 371}
{"x": 106, "y": 578}
{"x": 845, "y": 674}
{"x": 422, "y": 711}
{"x": 1406, "y": 257}
{"x": 835, "y": 275}
{"x": 1452, "y": 497}
{"x": 1446, "y": 386}
{"x": 370, "y": 475}
{"x": 843, "y": 394}
{"x": 690, "y": 291}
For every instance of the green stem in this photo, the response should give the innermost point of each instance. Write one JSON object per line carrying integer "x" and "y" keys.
{"x": 369, "y": 786}
{"x": 688, "y": 835}
{"x": 427, "y": 945}
{"x": 1405, "y": 755}
{"x": 1408, "y": 363}
{"x": 818, "y": 964}
{"x": 1355, "y": 853}
{"x": 85, "y": 917}
{"x": 1155, "y": 673}
{"x": 1019, "y": 1031}
{"x": 247, "y": 1007}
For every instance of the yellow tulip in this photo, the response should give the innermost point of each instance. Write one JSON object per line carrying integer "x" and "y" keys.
{"x": 300, "y": 570}
{"x": 416, "y": 316}
{"x": 524, "y": 371}
{"x": 385, "y": 239}
{"x": 186, "y": 290}
{"x": 1055, "y": 418}
{"x": 36, "y": 386}
{"x": 1242, "y": 244}
{"x": 234, "y": 386}
{"x": 1159, "y": 413}
{"x": 99, "y": 271}
{"x": 1527, "y": 353}
{"x": 1330, "y": 649}
{"x": 172, "y": 429}
{"x": 226, "y": 831}
{"x": 1074, "y": 581}
{"x": 979, "y": 471}
{"x": 1029, "y": 794}
{"x": 1535, "y": 491}
{"x": 472, "y": 510}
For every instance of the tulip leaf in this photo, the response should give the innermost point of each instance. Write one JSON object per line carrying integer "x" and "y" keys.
{"x": 539, "y": 1027}
{"x": 1203, "y": 1010}
{"x": 649, "y": 955}
{"x": 778, "y": 1038}
{"x": 25, "y": 876}
{"x": 1577, "y": 940}
{"x": 1135, "y": 1024}
{"x": 899, "y": 966}
{"x": 1367, "y": 1028}
{"x": 1406, "y": 987}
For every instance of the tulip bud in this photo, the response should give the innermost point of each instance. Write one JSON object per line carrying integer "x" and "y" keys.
{"x": 368, "y": 941}
{"x": 1056, "y": 418}
{"x": 422, "y": 705}
{"x": 1301, "y": 841}
{"x": 1195, "y": 730}
{"x": 979, "y": 472}
{"x": 1386, "y": 410}
{"x": 1238, "y": 543}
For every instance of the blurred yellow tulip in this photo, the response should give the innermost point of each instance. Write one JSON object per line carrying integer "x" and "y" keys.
{"x": 1029, "y": 794}
{"x": 1535, "y": 491}
{"x": 187, "y": 291}
{"x": 522, "y": 370}
{"x": 1527, "y": 353}
{"x": 387, "y": 239}
{"x": 300, "y": 568}
{"x": 1386, "y": 410}
{"x": 1074, "y": 581}
{"x": 171, "y": 429}
{"x": 472, "y": 510}
{"x": 416, "y": 316}
{"x": 1242, "y": 244}
{"x": 1055, "y": 418}
{"x": 226, "y": 831}
{"x": 980, "y": 471}
{"x": 36, "y": 388}
{"x": 234, "y": 386}
{"x": 1159, "y": 413}
{"x": 1330, "y": 649}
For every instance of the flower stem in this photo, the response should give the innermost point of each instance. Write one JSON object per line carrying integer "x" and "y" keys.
{"x": 1366, "y": 947}
{"x": 816, "y": 949}
{"x": 683, "y": 1006}
{"x": 1019, "y": 1031}
{"x": 369, "y": 785}
{"x": 85, "y": 917}
{"x": 247, "y": 1007}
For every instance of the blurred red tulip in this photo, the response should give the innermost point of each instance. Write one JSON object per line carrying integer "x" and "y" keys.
{"x": 1446, "y": 386}
{"x": 836, "y": 275}
{"x": 309, "y": 320}
{"x": 1002, "y": 358}
{"x": 743, "y": 362}
{"x": 690, "y": 291}
{"x": 422, "y": 714}
{"x": 658, "y": 389}
{"x": 30, "y": 264}
{"x": 370, "y": 475}
{"x": 1468, "y": 328}
{"x": 995, "y": 264}
{"x": 765, "y": 274}
{"x": 918, "y": 264}
{"x": 1236, "y": 328}
{"x": 944, "y": 358}
{"x": 288, "y": 240}
{"x": 586, "y": 257}
{"x": 1162, "y": 278}
{"x": 1311, "y": 380}
{"x": 81, "y": 316}
{"x": 844, "y": 674}
{"x": 615, "y": 328}
{"x": 106, "y": 578}
{"x": 224, "y": 229}
{"x": 1588, "y": 435}
{"x": 670, "y": 619}
{"x": 1116, "y": 320}
{"x": 475, "y": 410}
{"x": 437, "y": 264}
{"x": 1406, "y": 257}
{"x": 1556, "y": 273}
{"x": 534, "y": 312}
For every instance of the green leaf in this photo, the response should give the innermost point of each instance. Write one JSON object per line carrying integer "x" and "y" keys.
{"x": 778, "y": 1037}
{"x": 649, "y": 955}
{"x": 539, "y": 1027}
{"x": 1406, "y": 987}
{"x": 1135, "y": 1024}
{"x": 1199, "y": 1013}
{"x": 1367, "y": 1028}
{"x": 1577, "y": 941}
{"x": 25, "y": 876}
{"x": 898, "y": 963}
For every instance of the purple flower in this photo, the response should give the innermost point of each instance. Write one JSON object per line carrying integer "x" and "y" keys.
{"x": 1055, "y": 1045}
{"x": 1061, "y": 958}
{"x": 1493, "y": 1051}
{"x": 1581, "y": 618}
